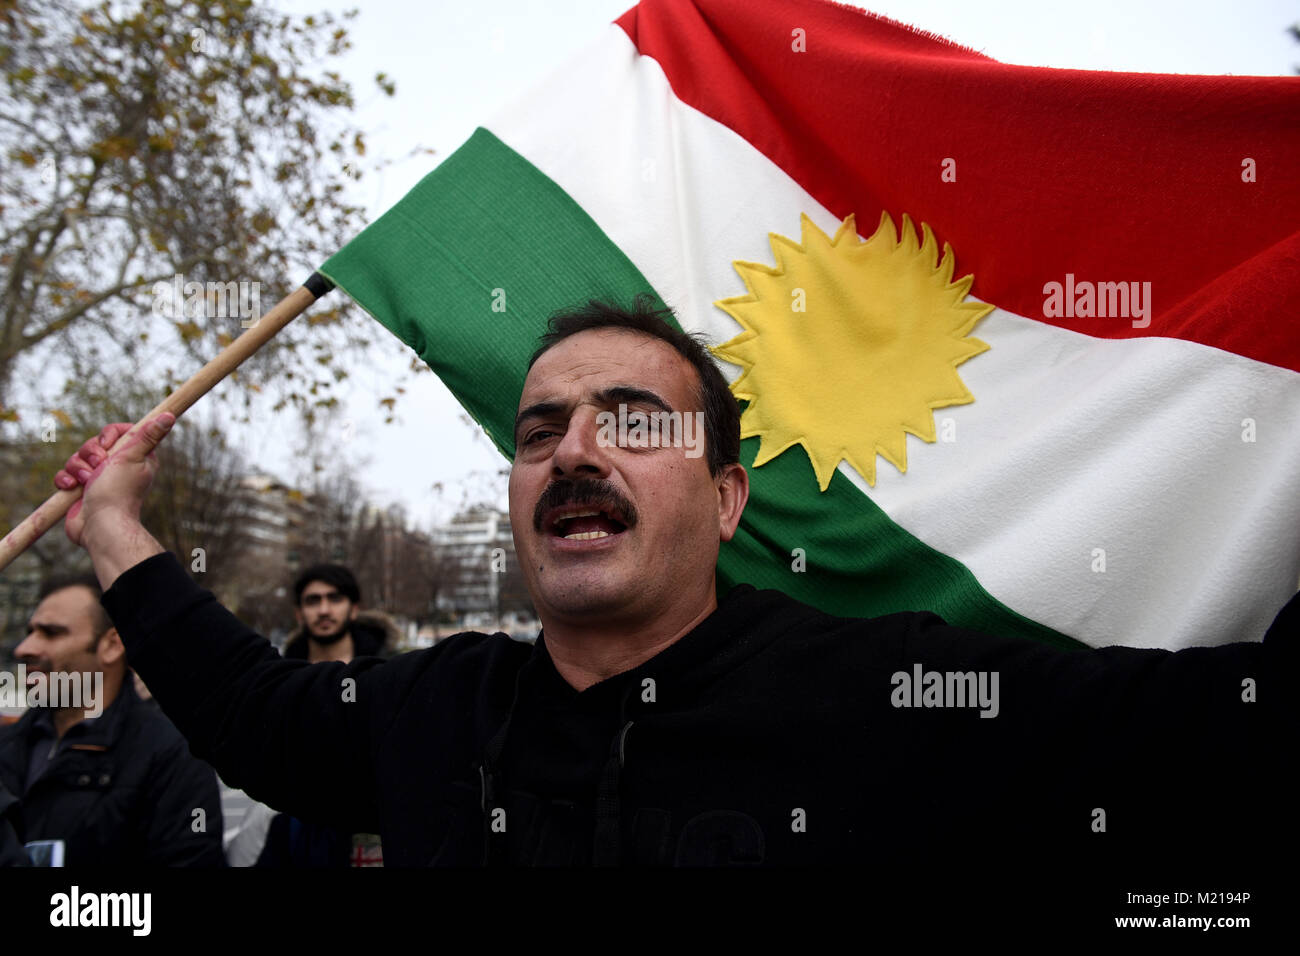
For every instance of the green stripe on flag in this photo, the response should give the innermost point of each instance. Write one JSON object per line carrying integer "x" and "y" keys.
{"x": 430, "y": 269}
{"x": 485, "y": 220}
{"x": 859, "y": 563}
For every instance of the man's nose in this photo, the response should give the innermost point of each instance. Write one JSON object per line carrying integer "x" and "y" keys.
{"x": 580, "y": 452}
{"x": 28, "y": 649}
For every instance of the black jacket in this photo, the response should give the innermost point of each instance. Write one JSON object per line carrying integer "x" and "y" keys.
{"x": 297, "y": 843}
{"x": 12, "y": 852}
{"x": 768, "y": 734}
{"x": 124, "y": 794}
{"x": 372, "y": 636}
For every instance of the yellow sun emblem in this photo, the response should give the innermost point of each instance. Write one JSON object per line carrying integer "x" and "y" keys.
{"x": 850, "y": 344}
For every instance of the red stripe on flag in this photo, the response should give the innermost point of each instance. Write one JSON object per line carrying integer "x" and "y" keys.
{"x": 1065, "y": 176}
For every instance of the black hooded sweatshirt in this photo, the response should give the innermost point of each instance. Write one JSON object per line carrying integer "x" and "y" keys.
{"x": 770, "y": 734}
{"x": 369, "y": 639}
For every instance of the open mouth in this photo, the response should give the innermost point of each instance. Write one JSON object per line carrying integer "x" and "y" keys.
{"x": 584, "y": 524}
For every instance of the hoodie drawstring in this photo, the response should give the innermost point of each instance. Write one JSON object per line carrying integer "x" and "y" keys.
{"x": 494, "y": 844}
{"x": 608, "y": 847}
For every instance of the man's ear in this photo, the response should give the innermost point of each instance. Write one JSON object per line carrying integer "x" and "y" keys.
{"x": 733, "y": 494}
{"x": 110, "y": 649}
{"x": 356, "y": 608}
{"x": 297, "y": 615}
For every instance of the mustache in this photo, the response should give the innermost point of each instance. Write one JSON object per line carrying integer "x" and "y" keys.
{"x": 594, "y": 492}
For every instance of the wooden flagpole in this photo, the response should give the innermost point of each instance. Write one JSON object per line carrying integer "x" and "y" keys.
{"x": 178, "y": 402}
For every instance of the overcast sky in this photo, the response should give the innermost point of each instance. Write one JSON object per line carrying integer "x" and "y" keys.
{"x": 457, "y": 64}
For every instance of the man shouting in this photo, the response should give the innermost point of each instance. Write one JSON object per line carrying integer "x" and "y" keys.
{"x": 654, "y": 722}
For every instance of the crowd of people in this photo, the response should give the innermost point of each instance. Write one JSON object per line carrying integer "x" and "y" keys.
{"x": 110, "y": 781}
{"x": 653, "y": 722}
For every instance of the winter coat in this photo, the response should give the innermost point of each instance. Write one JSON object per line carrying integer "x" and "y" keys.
{"x": 12, "y": 852}
{"x": 374, "y": 634}
{"x": 122, "y": 790}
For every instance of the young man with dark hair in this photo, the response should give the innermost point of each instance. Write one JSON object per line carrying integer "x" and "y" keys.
{"x": 101, "y": 777}
{"x": 326, "y": 601}
{"x": 331, "y": 627}
{"x": 654, "y": 722}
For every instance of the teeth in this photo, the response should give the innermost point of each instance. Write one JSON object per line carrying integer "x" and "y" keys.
{"x": 586, "y": 535}
{"x": 576, "y": 514}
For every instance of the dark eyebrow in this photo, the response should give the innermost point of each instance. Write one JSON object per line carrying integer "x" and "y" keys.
{"x": 614, "y": 395}
{"x": 539, "y": 410}
{"x": 49, "y": 630}
{"x": 631, "y": 394}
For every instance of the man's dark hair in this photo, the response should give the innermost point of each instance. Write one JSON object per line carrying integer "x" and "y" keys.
{"x": 86, "y": 579}
{"x": 721, "y": 410}
{"x": 332, "y": 574}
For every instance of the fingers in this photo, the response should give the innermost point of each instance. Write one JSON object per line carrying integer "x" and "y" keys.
{"x": 155, "y": 432}
{"x": 134, "y": 449}
{"x": 81, "y": 466}
{"x": 142, "y": 444}
{"x": 76, "y": 472}
{"x": 94, "y": 451}
{"x": 72, "y": 525}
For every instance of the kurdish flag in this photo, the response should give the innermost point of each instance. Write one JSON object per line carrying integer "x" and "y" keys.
{"x": 1016, "y": 345}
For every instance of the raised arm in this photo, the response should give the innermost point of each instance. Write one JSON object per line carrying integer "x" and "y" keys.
{"x": 296, "y": 736}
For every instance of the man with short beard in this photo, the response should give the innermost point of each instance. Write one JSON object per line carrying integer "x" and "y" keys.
{"x": 327, "y": 603}
{"x": 331, "y": 627}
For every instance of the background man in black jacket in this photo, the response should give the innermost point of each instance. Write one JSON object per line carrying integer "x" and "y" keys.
{"x": 327, "y": 605}
{"x": 116, "y": 789}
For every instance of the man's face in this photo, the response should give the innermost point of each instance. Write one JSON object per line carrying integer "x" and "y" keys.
{"x": 61, "y": 636}
{"x": 654, "y": 546}
{"x": 325, "y": 612}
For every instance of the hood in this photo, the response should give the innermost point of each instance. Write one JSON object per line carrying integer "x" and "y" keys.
{"x": 374, "y": 634}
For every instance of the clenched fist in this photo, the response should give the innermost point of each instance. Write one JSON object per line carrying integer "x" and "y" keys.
{"x": 115, "y": 483}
